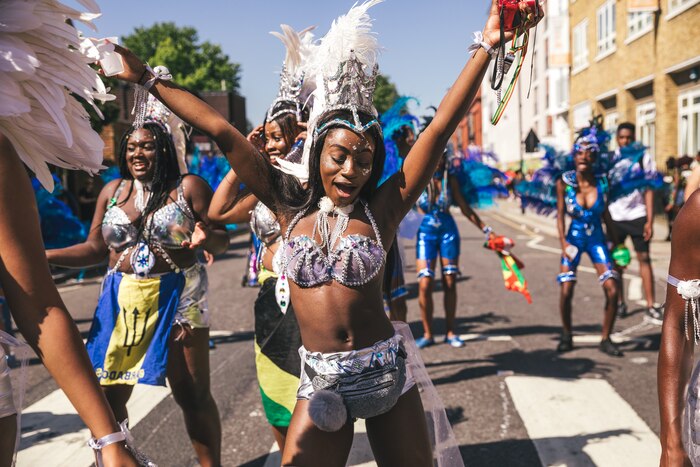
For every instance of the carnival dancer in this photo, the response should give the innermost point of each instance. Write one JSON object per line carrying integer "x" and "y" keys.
{"x": 633, "y": 216}
{"x": 277, "y": 337}
{"x": 333, "y": 254}
{"x": 438, "y": 236}
{"x": 584, "y": 196}
{"x": 400, "y": 129}
{"x": 41, "y": 121}
{"x": 678, "y": 382}
{"x": 152, "y": 319}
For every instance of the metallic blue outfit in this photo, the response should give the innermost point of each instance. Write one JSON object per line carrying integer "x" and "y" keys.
{"x": 438, "y": 232}
{"x": 586, "y": 230}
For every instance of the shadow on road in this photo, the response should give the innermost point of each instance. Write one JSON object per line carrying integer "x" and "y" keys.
{"x": 522, "y": 452}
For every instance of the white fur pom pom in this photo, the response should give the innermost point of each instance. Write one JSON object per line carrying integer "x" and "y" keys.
{"x": 327, "y": 410}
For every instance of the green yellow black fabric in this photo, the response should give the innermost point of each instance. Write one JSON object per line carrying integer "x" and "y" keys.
{"x": 277, "y": 342}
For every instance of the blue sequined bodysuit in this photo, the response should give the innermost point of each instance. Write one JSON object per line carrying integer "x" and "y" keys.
{"x": 586, "y": 229}
{"x": 438, "y": 232}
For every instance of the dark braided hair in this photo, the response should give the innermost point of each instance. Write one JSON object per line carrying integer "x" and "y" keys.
{"x": 288, "y": 122}
{"x": 166, "y": 170}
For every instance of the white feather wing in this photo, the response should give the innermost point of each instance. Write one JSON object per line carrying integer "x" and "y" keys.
{"x": 41, "y": 68}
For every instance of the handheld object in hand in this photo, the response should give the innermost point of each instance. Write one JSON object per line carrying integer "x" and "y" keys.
{"x": 511, "y": 15}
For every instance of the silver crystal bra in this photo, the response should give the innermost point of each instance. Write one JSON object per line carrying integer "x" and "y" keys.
{"x": 263, "y": 223}
{"x": 355, "y": 260}
{"x": 169, "y": 226}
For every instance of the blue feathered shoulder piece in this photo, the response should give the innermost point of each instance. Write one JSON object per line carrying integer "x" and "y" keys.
{"x": 479, "y": 183}
{"x": 629, "y": 173}
{"x": 394, "y": 121}
{"x": 212, "y": 169}
{"x": 60, "y": 227}
{"x": 540, "y": 192}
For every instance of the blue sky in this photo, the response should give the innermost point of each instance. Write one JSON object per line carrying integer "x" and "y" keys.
{"x": 424, "y": 42}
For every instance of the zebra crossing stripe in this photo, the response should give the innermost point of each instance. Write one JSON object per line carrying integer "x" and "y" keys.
{"x": 53, "y": 434}
{"x": 582, "y": 422}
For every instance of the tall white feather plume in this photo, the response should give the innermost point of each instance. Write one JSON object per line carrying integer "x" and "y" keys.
{"x": 42, "y": 67}
{"x": 351, "y": 43}
{"x": 295, "y": 43}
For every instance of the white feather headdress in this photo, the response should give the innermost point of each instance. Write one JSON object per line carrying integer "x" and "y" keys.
{"x": 344, "y": 67}
{"x": 294, "y": 89}
{"x": 43, "y": 65}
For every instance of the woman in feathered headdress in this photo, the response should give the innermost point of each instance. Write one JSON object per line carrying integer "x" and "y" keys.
{"x": 152, "y": 318}
{"x": 356, "y": 365}
{"x": 43, "y": 67}
{"x": 277, "y": 337}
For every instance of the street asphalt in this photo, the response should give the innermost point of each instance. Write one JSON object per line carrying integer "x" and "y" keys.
{"x": 508, "y": 338}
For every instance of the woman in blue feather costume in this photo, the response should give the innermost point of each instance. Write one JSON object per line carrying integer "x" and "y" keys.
{"x": 581, "y": 184}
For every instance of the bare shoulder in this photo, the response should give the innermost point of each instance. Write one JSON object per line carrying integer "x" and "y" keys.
{"x": 195, "y": 184}
{"x": 109, "y": 189}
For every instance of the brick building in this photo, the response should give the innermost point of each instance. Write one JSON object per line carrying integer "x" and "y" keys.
{"x": 638, "y": 61}
{"x": 468, "y": 131}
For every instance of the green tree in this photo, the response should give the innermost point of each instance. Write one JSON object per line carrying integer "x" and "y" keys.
{"x": 385, "y": 94}
{"x": 201, "y": 66}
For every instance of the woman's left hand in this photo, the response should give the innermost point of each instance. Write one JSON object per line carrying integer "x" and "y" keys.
{"x": 492, "y": 30}
{"x": 134, "y": 68}
{"x": 304, "y": 133}
{"x": 199, "y": 236}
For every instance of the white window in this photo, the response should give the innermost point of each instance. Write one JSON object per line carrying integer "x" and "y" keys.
{"x": 606, "y": 28}
{"x": 646, "y": 126}
{"x": 580, "y": 46}
{"x": 639, "y": 23}
{"x": 610, "y": 122}
{"x": 582, "y": 115}
{"x": 689, "y": 123}
{"x": 678, "y": 6}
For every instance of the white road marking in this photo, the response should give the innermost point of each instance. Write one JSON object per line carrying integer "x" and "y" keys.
{"x": 634, "y": 289}
{"x": 51, "y": 428}
{"x": 486, "y": 337}
{"x": 360, "y": 451}
{"x": 582, "y": 422}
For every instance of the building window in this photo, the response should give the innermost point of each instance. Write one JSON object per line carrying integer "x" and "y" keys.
{"x": 606, "y": 28}
{"x": 639, "y": 23}
{"x": 580, "y": 46}
{"x": 678, "y": 6}
{"x": 582, "y": 115}
{"x": 646, "y": 126}
{"x": 610, "y": 122}
{"x": 689, "y": 122}
{"x": 550, "y": 125}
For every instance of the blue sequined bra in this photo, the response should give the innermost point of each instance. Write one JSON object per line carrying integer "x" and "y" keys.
{"x": 355, "y": 260}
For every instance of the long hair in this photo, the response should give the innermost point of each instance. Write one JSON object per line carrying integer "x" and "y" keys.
{"x": 165, "y": 171}
{"x": 288, "y": 122}
{"x": 292, "y": 197}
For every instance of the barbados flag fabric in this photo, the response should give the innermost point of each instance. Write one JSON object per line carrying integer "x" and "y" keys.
{"x": 128, "y": 341}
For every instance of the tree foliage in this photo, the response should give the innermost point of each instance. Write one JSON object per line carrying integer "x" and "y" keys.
{"x": 385, "y": 94}
{"x": 200, "y": 66}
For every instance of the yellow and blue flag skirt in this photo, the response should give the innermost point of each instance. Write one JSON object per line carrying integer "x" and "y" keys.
{"x": 128, "y": 341}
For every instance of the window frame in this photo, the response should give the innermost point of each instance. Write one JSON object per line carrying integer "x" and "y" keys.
{"x": 580, "y": 60}
{"x": 606, "y": 29}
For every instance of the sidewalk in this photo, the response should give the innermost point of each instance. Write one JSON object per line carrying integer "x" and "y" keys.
{"x": 547, "y": 226}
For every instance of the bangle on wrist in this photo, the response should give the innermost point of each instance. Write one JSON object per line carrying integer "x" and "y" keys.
{"x": 487, "y": 230}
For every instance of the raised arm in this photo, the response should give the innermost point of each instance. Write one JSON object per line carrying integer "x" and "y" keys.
{"x": 226, "y": 206}
{"x": 37, "y": 307}
{"x": 400, "y": 193}
{"x": 676, "y": 352}
{"x": 94, "y": 249}
{"x": 249, "y": 164}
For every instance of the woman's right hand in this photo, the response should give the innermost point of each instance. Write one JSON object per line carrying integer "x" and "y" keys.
{"x": 116, "y": 455}
{"x": 134, "y": 68}
{"x": 257, "y": 137}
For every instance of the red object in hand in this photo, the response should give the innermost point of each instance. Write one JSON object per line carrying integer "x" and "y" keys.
{"x": 500, "y": 243}
{"x": 512, "y": 16}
